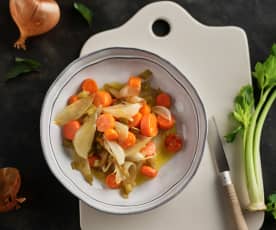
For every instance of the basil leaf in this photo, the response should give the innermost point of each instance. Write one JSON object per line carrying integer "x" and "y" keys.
{"x": 84, "y": 11}
{"x": 22, "y": 66}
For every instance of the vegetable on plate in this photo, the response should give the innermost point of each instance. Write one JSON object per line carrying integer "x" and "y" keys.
{"x": 118, "y": 132}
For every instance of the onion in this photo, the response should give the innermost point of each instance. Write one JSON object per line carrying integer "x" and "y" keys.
{"x": 162, "y": 111}
{"x": 123, "y": 110}
{"x": 127, "y": 91}
{"x": 141, "y": 143}
{"x": 73, "y": 111}
{"x": 33, "y": 17}
{"x": 10, "y": 182}
{"x": 115, "y": 150}
{"x": 122, "y": 130}
{"x": 135, "y": 99}
{"x": 84, "y": 137}
{"x": 119, "y": 175}
{"x": 115, "y": 92}
{"x": 136, "y": 157}
{"x": 130, "y": 171}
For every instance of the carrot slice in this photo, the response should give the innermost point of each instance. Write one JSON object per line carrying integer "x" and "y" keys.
{"x": 110, "y": 181}
{"x": 104, "y": 122}
{"x": 145, "y": 109}
{"x": 129, "y": 141}
{"x": 92, "y": 159}
{"x": 102, "y": 98}
{"x": 136, "y": 120}
{"x": 135, "y": 83}
{"x": 173, "y": 143}
{"x": 164, "y": 123}
{"x": 163, "y": 99}
{"x": 89, "y": 85}
{"x": 148, "y": 171}
{"x": 69, "y": 130}
{"x": 72, "y": 99}
{"x": 149, "y": 150}
{"x": 111, "y": 134}
{"x": 148, "y": 125}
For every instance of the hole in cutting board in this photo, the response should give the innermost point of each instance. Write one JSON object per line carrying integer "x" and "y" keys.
{"x": 161, "y": 28}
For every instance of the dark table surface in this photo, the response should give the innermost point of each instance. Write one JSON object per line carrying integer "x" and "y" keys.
{"x": 49, "y": 205}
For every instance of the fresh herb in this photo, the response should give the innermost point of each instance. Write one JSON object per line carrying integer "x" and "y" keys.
{"x": 22, "y": 66}
{"x": 271, "y": 205}
{"x": 250, "y": 123}
{"x": 84, "y": 11}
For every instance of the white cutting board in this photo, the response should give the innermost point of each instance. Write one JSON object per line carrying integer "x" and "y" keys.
{"x": 216, "y": 61}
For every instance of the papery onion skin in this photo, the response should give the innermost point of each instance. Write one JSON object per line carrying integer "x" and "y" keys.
{"x": 10, "y": 182}
{"x": 33, "y": 17}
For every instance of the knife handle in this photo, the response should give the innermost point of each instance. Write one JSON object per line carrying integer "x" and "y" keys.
{"x": 233, "y": 200}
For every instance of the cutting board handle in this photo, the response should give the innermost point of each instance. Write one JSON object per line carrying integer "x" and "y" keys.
{"x": 177, "y": 17}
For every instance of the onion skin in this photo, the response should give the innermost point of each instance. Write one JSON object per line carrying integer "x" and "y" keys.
{"x": 10, "y": 182}
{"x": 33, "y": 17}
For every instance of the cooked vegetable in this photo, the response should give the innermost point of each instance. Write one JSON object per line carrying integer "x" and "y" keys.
{"x": 173, "y": 143}
{"x": 129, "y": 141}
{"x": 137, "y": 157}
{"x": 163, "y": 99}
{"x": 115, "y": 150}
{"x": 135, "y": 83}
{"x": 72, "y": 99}
{"x": 92, "y": 160}
{"x": 123, "y": 110}
{"x": 164, "y": 123}
{"x": 82, "y": 165}
{"x": 70, "y": 129}
{"x": 113, "y": 133}
{"x": 104, "y": 122}
{"x": 73, "y": 111}
{"x": 250, "y": 123}
{"x": 145, "y": 109}
{"x": 122, "y": 130}
{"x": 89, "y": 85}
{"x": 163, "y": 112}
{"x": 149, "y": 125}
{"x": 102, "y": 98}
{"x": 128, "y": 91}
{"x": 136, "y": 120}
{"x": 111, "y": 181}
{"x": 149, "y": 150}
{"x": 85, "y": 136}
{"x": 140, "y": 143}
{"x": 148, "y": 171}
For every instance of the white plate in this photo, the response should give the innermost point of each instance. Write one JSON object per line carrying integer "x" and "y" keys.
{"x": 117, "y": 64}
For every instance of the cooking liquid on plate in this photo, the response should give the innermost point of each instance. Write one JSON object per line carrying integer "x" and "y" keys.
{"x": 161, "y": 158}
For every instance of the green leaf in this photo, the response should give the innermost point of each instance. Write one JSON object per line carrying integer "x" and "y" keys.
{"x": 271, "y": 205}
{"x": 265, "y": 72}
{"x": 273, "y": 49}
{"x": 230, "y": 137}
{"x": 244, "y": 105}
{"x": 22, "y": 66}
{"x": 84, "y": 11}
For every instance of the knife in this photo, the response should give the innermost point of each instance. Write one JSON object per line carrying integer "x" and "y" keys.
{"x": 216, "y": 148}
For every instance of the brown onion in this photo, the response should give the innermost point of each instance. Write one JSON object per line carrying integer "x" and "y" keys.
{"x": 33, "y": 17}
{"x": 10, "y": 182}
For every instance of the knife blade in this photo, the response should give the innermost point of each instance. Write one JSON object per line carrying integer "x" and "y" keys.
{"x": 216, "y": 148}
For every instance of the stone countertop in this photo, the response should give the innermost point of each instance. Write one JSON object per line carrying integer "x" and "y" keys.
{"x": 49, "y": 205}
